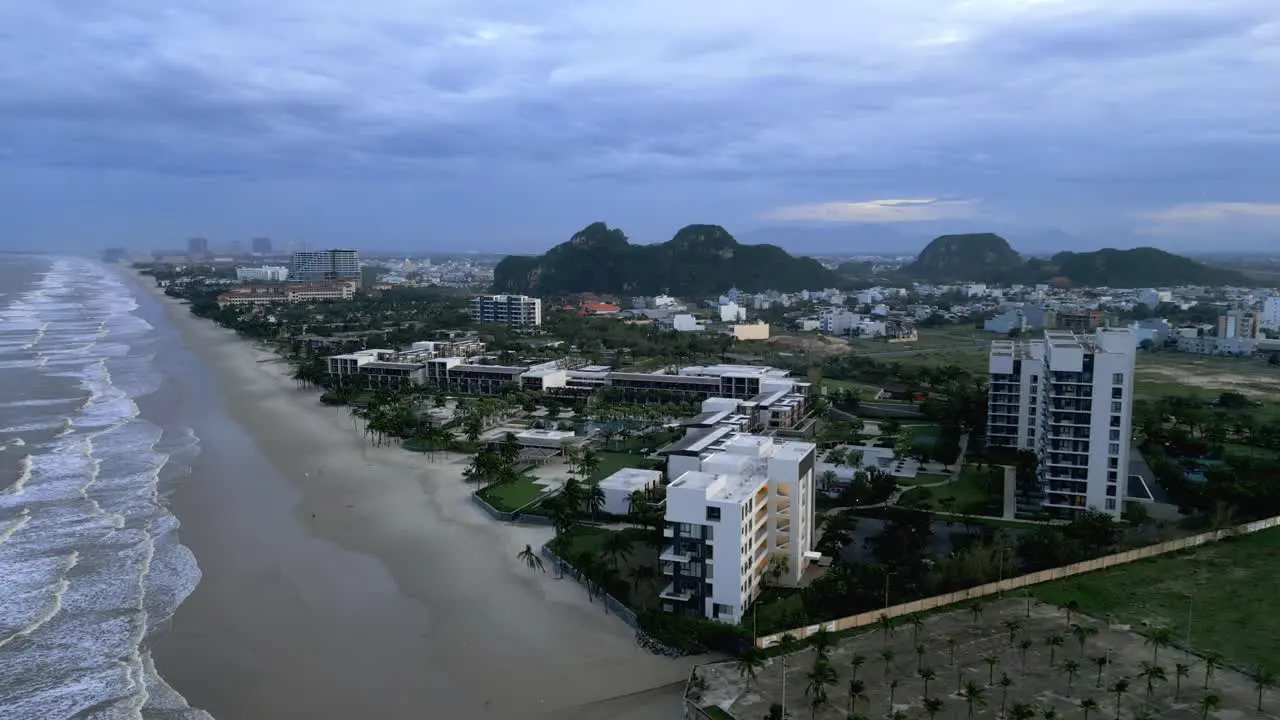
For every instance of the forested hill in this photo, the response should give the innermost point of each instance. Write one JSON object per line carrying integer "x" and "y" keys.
{"x": 699, "y": 260}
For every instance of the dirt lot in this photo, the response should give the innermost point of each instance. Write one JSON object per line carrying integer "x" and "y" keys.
{"x": 983, "y": 654}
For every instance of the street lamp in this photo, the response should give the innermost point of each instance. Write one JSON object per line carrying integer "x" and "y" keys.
{"x": 1190, "y": 604}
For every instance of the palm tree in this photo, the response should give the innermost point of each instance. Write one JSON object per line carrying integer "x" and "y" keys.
{"x": 1022, "y": 711}
{"x": 822, "y": 642}
{"x": 1101, "y": 663}
{"x": 975, "y": 696}
{"x": 1180, "y": 670}
{"x": 1023, "y": 646}
{"x": 595, "y": 500}
{"x": 641, "y": 574}
{"x": 530, "y": 558}
{"x": 951, "y": 649}
{"x": 920, "y": 651}
{"x": 886, "y": 628}
{"x": 1152, "y": 674}
{"x": 1209, "y": 702}
{"x": 1263, "y": 678}
{"x": 992, "y": 660}
{"x": 786, "y": 645}
{"x": 932, "y": 706}
{"x": 893, "y": 690}
{"x": 857, "y": 693}
{"x": 775, "y": 713}
{"x": 636, "y": 503}
{"x": 1049, "y": 713}
{"x": 975, "y": 609}
{"x": 1013, "y": 626}
{"x": 857, "y": 661}
{"x": 898, "y": 715}
{"x": 617, "y": 547}
{"x": 749, "y": 663}
{"x": 916, "y": 623}
{"x": 1119, "y": 687}
{"x": 820, "y": 678}
{"x": 1159, "y": 637}
{"x": 927, "y": 675}
{"x": 1054, "y": 641}
{"x": 1071, "y": 607}
{"x": 1006, "y": 682}
{"x": 1071, "y": 668}
{"x": 1088, "y": 705}
{"x": 1082, "y": 635}
{"x": 887, "y": 656}
{"x": 1212, "y": 661}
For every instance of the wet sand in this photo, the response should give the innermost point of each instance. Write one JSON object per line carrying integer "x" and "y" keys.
{"x": 343, "y": 580}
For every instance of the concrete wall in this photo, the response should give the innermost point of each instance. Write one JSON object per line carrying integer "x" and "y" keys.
{"x": 930, "y": 603}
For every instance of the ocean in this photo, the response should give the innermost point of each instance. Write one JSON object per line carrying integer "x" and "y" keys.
{"x": 90, "y": 563}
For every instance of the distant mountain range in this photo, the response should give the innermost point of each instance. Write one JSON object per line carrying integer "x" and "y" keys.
{"x": 987, "y": 257}
{"x": 699, "y": 260}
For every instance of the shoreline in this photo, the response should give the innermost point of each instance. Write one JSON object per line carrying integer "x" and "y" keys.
{"x": 364, "y": 581}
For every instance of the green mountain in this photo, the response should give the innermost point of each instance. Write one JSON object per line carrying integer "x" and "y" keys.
{"x": 975, "y": 256}
{"x": 1139, "y": 267}
{"x": 699, "y": 260}
{"x": 986, "y": 257}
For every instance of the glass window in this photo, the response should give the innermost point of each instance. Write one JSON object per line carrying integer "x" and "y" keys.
{"x": 1115, "y": 435}
{"x": 1114, "y": 448}
{"x": 1117, "y": 406}
{"x": 1117, "y": 379}
{"x": 713, "y": 514}
{"x": 1111, "y": 503}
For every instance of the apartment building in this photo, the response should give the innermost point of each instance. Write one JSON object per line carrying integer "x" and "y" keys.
{"x": 514, "y": 311}
{"x": 1242, "y": 324}
{"x": 265, "y": 273}
{"x": 1270, "y": 314}
{"x": 1069, "y": 399}
{"x": 739, "y": 504}
{"x": 269, "y": 294}
{"x": 324, "y": 265}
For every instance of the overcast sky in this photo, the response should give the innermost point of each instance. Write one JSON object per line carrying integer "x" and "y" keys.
{"x": 505, "y": 125}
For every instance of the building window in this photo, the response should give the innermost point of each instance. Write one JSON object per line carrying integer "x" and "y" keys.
{"x": 1117, "y": 406}
{"x": 1111, "y": 491}
{"x": 1115, "y": 435}
{"x": 1113, "y": 462}
{"x": 1115, "y": 421}
{"x": 1117, "y": 393}
{"x": 713, "y": 514}
{"x": 1111, "y": 503}
{"x": 1117, "y": 379}
{"x": 721, "y": 609}
{"x": 1114, "y": 448}
{"x": 1112, "y": 476}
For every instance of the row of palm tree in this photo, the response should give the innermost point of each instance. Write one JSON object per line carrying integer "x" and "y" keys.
{"x": 977, "y": 696}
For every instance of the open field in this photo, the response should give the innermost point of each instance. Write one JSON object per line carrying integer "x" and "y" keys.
{"x": 1171, "y": 373}
{"x": 612, "y": 462}
{"x": 1226, "y": 590}
{"x": 983, "y": 655}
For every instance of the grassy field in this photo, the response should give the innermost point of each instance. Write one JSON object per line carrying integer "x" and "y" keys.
{"x": 1172, "y": 373}
{"x": 512, "y": 496}
{"x": 612, "y": 462}
{"x": 1227, "y": 590}
{"x": 967, "y": 494}
{"x": 923, "y": 479}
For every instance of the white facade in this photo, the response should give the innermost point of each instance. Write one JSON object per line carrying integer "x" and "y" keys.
{"x": 1151, "y": 298}
{"x": 619, "y": 486}
{"x": 324, "y": 265}
{"x": 1270, "y": 314}
{"x": 266, "y": 273}
{"x": 749, "y": 504}
{"x": 685, "y": 323}
{"x": 516, "y": 311}
{"x": 837, "y": 320}
{"x": 1069, "y": 399}
{"x": 1209, "y": 345}
{"x": 732, "y": 312}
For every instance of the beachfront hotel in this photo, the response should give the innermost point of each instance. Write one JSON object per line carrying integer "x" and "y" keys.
{"x": 739, "y": 505}
{"x": 324, "y": 265}
{"x": 514, "y": 311}
{"x": 1069, "y": 399}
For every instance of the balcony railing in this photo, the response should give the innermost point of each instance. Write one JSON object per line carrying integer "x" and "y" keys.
{"x": 671, "y": 593}
{"x": 671, "y": 554}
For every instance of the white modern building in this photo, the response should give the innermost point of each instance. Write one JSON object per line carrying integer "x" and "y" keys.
{"x": 837, "y": 320}
{"x": 1270, "y": 314}
{"x": 324, "y": 265}
{"x": 515, "y": 311}
{"x": 620, "y": 486}
{"x": 266, "y": 273}
{"x": 1068, "y": 398}
{"x": 739, "y": 505}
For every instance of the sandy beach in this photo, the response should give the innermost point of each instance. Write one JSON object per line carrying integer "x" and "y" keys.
{"x": 343, "y": 580}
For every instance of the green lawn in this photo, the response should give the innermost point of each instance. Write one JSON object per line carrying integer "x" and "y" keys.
{"x": 967, "y": 495}
{"x": 923, "y": 479}
{"x": 1229, "y": 589}
{"x": 1235, "y": 450}
{"x": 612, "y": 462}
{"x": 715, "y": 713}
{"x": 512, "y": 496}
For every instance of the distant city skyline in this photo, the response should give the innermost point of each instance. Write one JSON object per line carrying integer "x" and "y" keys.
{"x": 506, "y": 128}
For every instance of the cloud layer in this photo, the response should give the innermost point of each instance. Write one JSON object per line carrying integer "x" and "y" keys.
{"x": 426, "y": 115}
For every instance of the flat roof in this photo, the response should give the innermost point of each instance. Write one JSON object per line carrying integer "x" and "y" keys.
{"x": 630, "y": 479}
{"x": 379, "y": 365}
{"x": 697, "y": 440}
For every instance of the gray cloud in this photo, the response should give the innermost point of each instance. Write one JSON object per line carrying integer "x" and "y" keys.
{"x": 1146, "y": 102}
